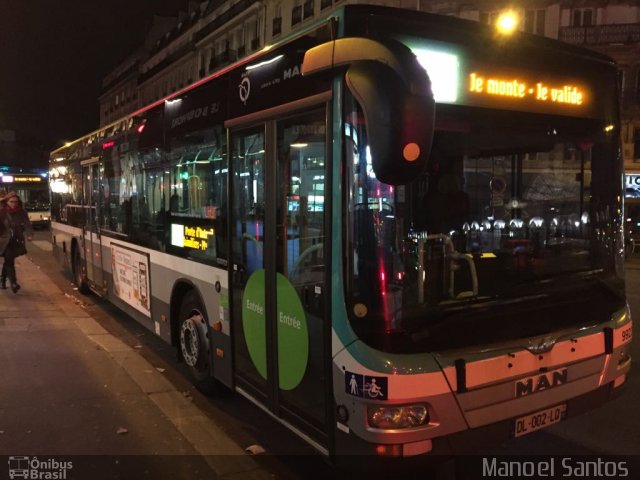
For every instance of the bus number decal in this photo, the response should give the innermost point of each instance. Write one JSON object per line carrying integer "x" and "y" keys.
{"x": 365, "y": 386}
{"x": 626, "y": 334}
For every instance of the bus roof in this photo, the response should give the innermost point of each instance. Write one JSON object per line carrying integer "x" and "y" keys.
{"x": 357, "y": 20}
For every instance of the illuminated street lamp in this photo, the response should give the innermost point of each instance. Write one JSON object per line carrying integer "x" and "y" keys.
{"x": 507, "y": 22}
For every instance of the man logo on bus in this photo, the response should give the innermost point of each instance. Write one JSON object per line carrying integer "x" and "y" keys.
{"x": 538, "y": 383}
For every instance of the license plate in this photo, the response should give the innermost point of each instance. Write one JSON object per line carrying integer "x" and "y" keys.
{"x": 536, "y": 421}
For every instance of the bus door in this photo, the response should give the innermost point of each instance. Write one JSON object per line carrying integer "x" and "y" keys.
{"x": 280, "y": 326}
{"x": 91, "y": 233}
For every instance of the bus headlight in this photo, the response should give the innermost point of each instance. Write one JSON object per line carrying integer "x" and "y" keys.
{"x": 397, "y": 416}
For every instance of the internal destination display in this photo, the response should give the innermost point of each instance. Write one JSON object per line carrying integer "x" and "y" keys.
{"x": 196, "y": 238}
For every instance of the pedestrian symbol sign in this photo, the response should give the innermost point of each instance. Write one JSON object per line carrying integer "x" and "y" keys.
{"x": 365, "y": 386}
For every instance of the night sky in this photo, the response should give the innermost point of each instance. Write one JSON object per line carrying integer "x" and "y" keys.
{"x": 54, "y": 54}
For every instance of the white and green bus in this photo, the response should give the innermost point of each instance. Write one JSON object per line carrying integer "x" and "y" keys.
{"x": 393, "y": 231}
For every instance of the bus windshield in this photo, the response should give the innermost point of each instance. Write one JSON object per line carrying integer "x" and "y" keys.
{"x": 514, "y": 209}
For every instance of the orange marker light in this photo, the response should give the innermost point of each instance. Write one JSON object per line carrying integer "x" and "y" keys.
{"x": 389, "y": 450}
{"x": 411, "y": 152}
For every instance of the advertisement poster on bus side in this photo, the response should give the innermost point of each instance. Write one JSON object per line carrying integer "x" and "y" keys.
{"x": 131, "y": 277}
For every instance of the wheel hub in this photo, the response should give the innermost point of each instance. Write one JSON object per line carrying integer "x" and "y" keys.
{"x": 190, "y": 340}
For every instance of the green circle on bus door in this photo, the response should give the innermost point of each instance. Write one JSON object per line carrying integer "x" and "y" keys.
{"x": 293, "y": 334}
{"x": 253, "y": 323}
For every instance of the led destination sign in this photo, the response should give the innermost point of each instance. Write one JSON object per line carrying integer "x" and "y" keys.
{"x": 515, "y": 88}
{"x": 20, "y": 178}
{"x": 459, "y": 78}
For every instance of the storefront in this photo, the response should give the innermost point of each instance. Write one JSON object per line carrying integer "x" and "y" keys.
{"x": 632, "y": 210}
{"x": 632, "y": 194}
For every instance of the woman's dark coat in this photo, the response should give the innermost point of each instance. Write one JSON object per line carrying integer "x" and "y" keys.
{"x": 16, "y": 222}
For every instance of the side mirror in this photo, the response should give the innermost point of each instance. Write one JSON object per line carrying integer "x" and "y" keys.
{"x": 395, "y": 94}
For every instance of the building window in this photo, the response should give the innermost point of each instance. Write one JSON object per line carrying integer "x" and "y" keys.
{"x": 296, "y": 15}
{"x": 307, "y": 11}
{"x": 534, "y": 21}
{"x": 277, "y": 26}
{"x": 636, "y": 142}
{"x": 489, "y": 18}
{"x": 236, "y": 44}
{"x": 277, "y": 20}
{"x": 582, "y": 17}
{"x": 325, "y": 4}
{"x": 252, "y": 34}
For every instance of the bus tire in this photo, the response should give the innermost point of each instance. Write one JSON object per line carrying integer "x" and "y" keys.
{"x": 193, "y": 343}
{"x": 79, "y": 277}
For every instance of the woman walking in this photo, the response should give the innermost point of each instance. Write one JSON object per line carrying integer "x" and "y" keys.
{"x": 14, "y": 223}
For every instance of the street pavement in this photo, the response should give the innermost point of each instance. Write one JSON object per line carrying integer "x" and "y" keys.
{"x": 72, "y": 392}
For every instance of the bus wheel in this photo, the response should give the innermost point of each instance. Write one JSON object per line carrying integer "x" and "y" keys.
{"x": 79, "y": 277}
{"x": 194, "y": 343}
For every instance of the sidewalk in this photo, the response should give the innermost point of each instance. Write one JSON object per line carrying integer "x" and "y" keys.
{"x": 69, "y": 388}
{"x": 633, "y": 260}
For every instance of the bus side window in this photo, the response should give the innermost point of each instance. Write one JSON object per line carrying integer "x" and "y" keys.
{"x": 197, "y": 188}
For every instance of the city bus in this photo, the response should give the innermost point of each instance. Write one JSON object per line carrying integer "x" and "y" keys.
{"x": 399, "y": 234}
{"x": 32, "y": 187}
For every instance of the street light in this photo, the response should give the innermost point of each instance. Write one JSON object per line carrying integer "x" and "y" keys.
{"x": 507, "y": 22}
